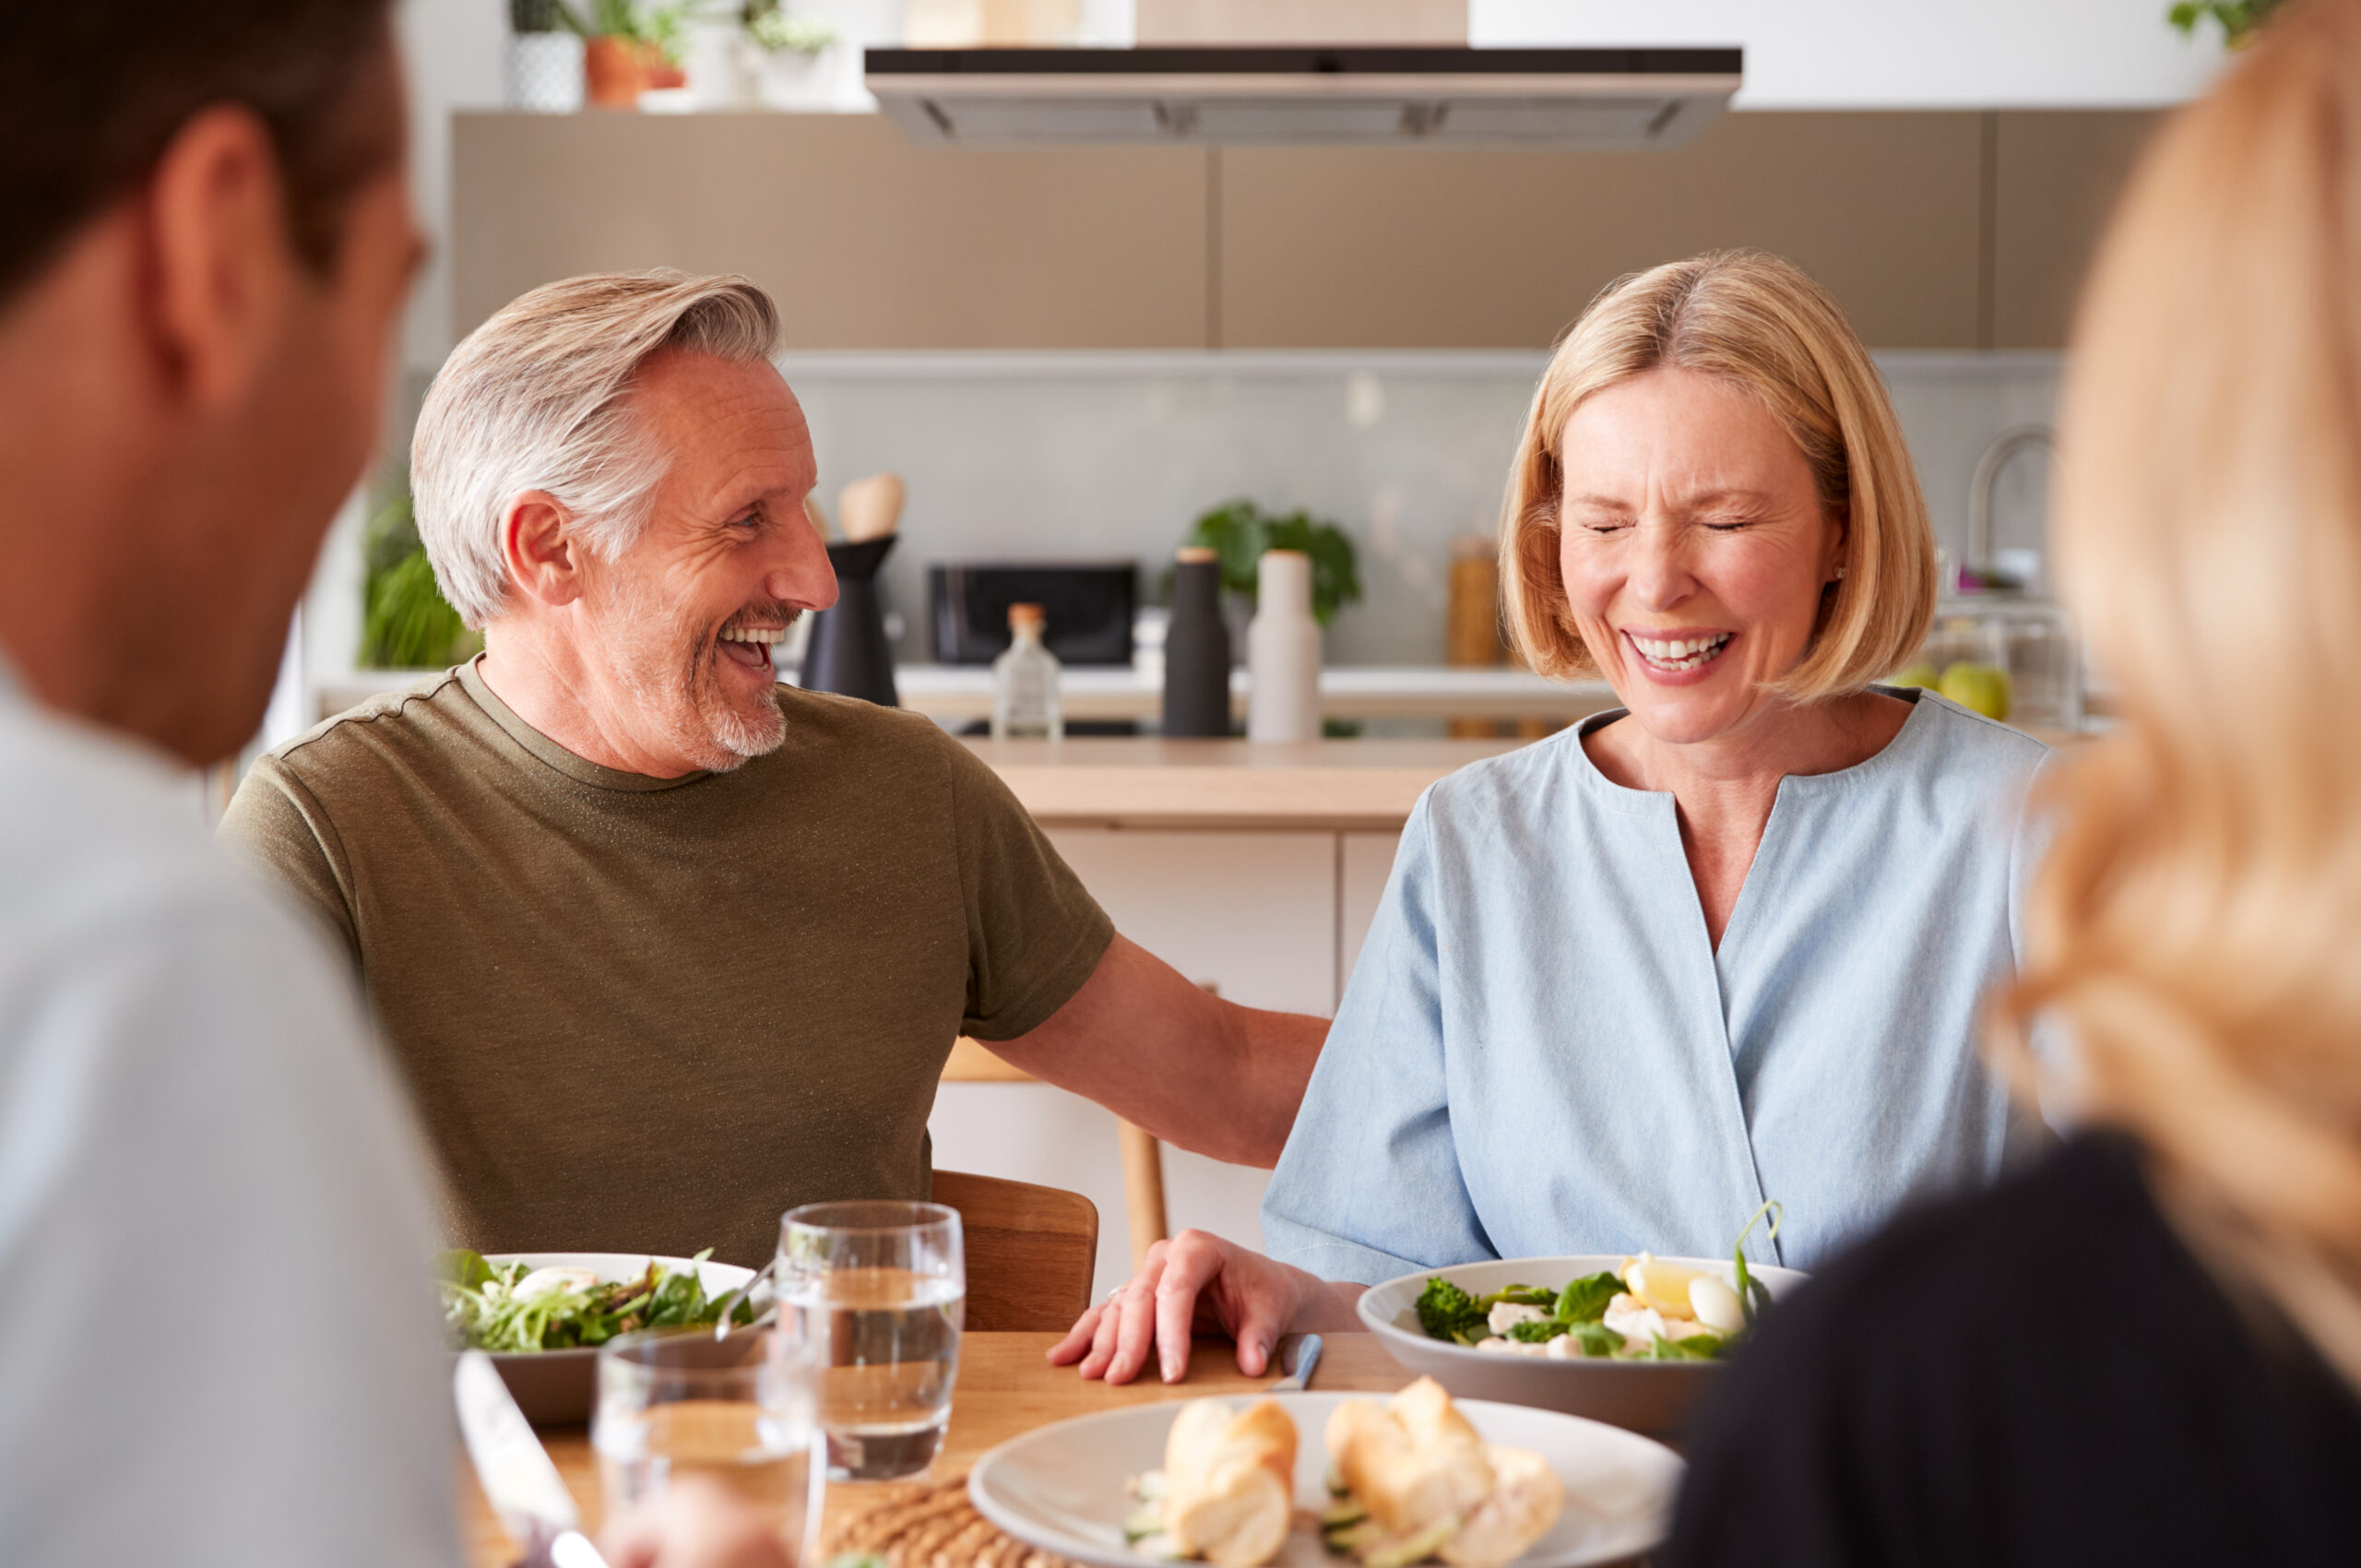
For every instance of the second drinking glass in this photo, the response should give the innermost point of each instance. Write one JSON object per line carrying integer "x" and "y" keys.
{"x": 876, "y": 1291}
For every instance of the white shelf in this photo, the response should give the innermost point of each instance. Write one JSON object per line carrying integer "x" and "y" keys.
{"x": 964, "y": 691}
{"x": 956, "y": 693}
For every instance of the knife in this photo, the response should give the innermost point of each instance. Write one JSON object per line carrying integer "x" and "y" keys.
{"x": 1302, "y": 1357}
{"x": 523, "y": 1487}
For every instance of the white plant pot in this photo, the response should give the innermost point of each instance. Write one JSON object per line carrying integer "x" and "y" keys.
{"x": 721, "y": 63}
{"x": 829, "y": 80}
{"x": 544, "y": 72}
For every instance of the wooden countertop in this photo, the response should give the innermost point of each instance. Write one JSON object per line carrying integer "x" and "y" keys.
{"x": 1204, "y": 784}
{"x": 1006, "y": 1386}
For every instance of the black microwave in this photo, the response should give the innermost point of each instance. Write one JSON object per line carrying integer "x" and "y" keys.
{"x": 1087, "y": 608}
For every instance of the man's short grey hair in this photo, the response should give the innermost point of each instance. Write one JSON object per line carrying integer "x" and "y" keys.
{"x": 538, "y": 397}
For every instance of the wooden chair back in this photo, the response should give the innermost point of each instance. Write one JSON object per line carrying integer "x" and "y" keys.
{"x": 1032, "y": 1252}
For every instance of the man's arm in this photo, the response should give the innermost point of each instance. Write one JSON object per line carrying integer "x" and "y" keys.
{"x": 274, "y": 822}
{"x": 1201, "y": 1073}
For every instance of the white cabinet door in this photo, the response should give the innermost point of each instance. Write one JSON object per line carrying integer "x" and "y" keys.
{"x": 1363, "y": 862}
{"x": 1254, "y": 912}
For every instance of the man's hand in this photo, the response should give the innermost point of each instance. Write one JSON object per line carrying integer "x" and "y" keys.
{"x": 1201, "y": 1073}
{"x": 696, "y": 1523}
{"x": 1199, "y": 1283}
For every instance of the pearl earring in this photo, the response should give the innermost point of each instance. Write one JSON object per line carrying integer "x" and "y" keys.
{"x": 1840, "y": 574}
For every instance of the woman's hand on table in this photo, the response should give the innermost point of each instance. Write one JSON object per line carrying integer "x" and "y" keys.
{"x": 696, "y": 1523}
{"x": 1198, "y": 1283}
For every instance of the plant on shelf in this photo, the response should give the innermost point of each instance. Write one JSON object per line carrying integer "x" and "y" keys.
{"x": 1239, "y": 531}
{"x": 406, "y": 622}
{"x": 629, "y": 46}
{"x": 769, "y": 26}
{"x": 2239, "y": 18}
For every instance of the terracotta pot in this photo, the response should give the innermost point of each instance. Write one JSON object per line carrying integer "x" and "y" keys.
{"x": 614, "y": 72}
{"x": 657, "y": 72}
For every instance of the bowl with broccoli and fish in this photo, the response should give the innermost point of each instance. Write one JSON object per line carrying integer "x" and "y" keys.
{"x": 1627, "y": 1339}
{"x": 543, "y": 1315}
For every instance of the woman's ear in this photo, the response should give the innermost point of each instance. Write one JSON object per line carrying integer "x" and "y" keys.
{"x": 537, "y": 544}
{"x": 1839, "y": 529}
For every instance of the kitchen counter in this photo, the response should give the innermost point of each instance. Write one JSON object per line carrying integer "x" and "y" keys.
{"x": 1336, "y": 785}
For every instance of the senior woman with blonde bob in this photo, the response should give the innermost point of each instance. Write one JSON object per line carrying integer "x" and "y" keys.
{"x": 1725, "y": 943}
{"x": 2147, "y": 1350}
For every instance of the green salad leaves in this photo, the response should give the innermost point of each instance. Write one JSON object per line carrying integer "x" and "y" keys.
{"x": 484, "y": 1309}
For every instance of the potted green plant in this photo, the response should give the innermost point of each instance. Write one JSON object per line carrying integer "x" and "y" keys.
{"x": 2237, "y": 19}
{"x": 801, "y": 57}
{"x": 628, "y": 48}
{"x": 544, "y": 65}
{"x": 406, "y": 622}
{"x": 1239, "y": 531}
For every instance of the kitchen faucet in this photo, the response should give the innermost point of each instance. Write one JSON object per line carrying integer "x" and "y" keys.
{"x": 2005, "y": 445}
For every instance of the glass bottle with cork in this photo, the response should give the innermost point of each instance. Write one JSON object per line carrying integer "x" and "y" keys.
{"x": 1024, "y": 681}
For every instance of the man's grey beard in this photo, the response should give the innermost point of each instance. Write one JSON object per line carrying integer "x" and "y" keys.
{"x": 678, "y": 686}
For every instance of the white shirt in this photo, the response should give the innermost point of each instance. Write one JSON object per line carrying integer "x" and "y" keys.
{"x": 217, "y": 1337}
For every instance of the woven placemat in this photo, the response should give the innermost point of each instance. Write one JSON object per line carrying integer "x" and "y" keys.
{"x": 934, "y": 1526}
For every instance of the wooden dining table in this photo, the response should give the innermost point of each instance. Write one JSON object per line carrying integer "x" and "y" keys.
{"x": 1006, "y": 1387}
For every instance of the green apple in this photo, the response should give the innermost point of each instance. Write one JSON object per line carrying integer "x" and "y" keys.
{"x": 1922, "y": 676}
{"x": 1982, "y": 688}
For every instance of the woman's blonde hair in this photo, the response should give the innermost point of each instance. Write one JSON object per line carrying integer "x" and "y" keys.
{"x": 2196, "y": 927}
{"x": 1760, "y": 324}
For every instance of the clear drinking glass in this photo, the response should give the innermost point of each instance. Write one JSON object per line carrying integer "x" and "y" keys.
{"x": 877, "y": 1291}
{"x": 739, "y": 1411}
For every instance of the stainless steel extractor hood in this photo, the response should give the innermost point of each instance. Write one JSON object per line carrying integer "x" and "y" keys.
{"x": 1588, "y": 97}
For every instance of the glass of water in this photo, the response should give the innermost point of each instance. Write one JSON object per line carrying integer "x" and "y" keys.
{"x": 876, "y": 1292}
{"x": 738, "y": 1410}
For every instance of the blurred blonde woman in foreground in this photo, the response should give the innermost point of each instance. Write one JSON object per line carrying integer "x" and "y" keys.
{"x": 2148, "y": 1349}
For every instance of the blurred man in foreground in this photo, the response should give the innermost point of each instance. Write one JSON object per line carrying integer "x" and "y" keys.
{"x": 213, "y": 1238}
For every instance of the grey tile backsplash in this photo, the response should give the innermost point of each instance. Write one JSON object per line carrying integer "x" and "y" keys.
{"x": 1037, "y": 455}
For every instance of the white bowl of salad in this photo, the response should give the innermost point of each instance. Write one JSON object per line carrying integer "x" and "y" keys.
{"x": 543, "y": 1315}
{"x": 1627, "y": 1339}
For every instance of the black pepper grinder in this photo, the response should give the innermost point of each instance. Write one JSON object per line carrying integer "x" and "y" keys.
{"x": 1196, "y": 649}
{"x": 847, "y": 652}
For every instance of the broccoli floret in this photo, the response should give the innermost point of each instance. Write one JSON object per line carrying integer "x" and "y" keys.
{"x": 1540, "y": 1333}
{"x": 1444, "y": 1310}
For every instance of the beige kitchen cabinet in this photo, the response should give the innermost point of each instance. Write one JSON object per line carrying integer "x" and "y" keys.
{"x": 1412, "y": 247}
{"x": 2056, "y": 179}
{"x": 865, "y": 240}
{"x": 1934, "y": 229}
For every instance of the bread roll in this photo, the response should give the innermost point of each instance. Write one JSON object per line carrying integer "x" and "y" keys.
{"x": 1432, "y": 1486}
{"x": 1411, "y": 1463}
{"x": 1229, "y": 1482}
{"x": 1527, "y": 1500}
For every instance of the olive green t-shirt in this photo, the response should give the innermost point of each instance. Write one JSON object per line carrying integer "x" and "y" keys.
{"x": 643, "y": 1015}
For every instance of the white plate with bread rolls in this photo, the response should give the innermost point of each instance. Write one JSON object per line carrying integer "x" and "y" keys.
{"x": 1330, "y": 1481}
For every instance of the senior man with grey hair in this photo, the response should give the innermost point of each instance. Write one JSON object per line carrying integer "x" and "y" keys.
{"x": 661, "y": 945}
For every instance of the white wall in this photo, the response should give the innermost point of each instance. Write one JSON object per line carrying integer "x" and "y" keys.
{"x": 1897, "y": 53}
{"x": 453, "y": 50}
{"x": 1114, "y": 455}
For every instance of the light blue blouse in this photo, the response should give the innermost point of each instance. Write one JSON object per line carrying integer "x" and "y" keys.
{"x": 1541, "y": 1053}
